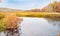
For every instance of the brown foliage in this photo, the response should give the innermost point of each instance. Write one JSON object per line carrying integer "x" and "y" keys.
{"x": 57, "y": 7}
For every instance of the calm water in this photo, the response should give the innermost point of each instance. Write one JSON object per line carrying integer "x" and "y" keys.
{"x": 39, "y": 27}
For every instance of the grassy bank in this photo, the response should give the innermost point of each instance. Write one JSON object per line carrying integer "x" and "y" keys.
{"x": 54, "y": 15}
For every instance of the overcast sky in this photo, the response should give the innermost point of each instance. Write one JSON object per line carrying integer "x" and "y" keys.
{"x": 25, "y": 4}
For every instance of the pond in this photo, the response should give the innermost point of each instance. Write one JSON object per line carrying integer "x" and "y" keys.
{"x": 38, "y": 27}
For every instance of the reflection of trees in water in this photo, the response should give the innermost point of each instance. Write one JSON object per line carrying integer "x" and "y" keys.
{"x": 11, "y": 32}
{"x": 54, "y": 22}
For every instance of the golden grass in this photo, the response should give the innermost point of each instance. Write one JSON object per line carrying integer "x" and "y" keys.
{"x": 51, "y": 15}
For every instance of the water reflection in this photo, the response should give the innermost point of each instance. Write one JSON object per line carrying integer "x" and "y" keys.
{"x": 54, "y": 22}
{"x": 38, "y": 27}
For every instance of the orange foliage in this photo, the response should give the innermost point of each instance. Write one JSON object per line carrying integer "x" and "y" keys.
{"x": 58, "y": 7}
{"x": 12, "y": 21}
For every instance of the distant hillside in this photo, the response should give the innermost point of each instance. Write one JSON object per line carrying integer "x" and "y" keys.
{"x": 9, "y": 10}
{"x": 18, "y": 10}
{"x": 34, "y": 10}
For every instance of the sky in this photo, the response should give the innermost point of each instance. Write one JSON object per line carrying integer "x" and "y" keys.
{"x": 24, "y": 4}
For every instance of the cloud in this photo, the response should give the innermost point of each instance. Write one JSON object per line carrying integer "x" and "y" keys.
{"x": 25, "y": 4}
